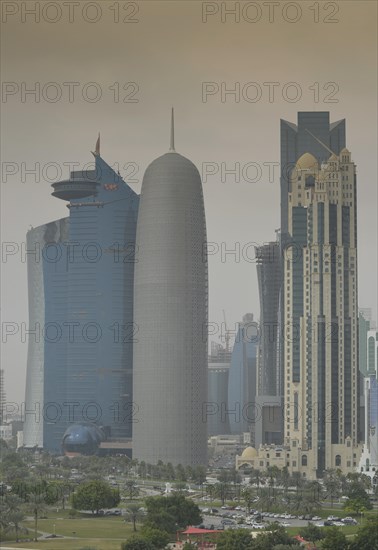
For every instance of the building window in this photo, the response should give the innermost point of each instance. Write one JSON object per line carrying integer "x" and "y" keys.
{"x": 338, "y": 460}
{"x": 304, "y": 460}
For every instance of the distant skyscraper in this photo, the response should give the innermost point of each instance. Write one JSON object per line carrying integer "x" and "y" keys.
{"x": 170, "y": 356}
{"x": 2, "y": 396}
{"x": 218, "y": 371}
{"x": 365, "y": 362}
{"x": 320, "y": 348}
{"x": 369, "y": 351}
{"x": 268, "y": 262}
{"x": 242, "y": 376}
{"x": 81, "y": 294}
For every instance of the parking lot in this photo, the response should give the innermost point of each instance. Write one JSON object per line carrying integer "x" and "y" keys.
{"x": 238, "y": 518}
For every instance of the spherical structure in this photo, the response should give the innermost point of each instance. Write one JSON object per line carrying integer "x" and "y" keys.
{"x": 170, "y": 311}
{"x": 84, "y": 438}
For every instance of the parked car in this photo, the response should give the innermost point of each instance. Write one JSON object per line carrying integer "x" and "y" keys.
{"x": 349, "y": 521}
{"x": 227, "y": 522}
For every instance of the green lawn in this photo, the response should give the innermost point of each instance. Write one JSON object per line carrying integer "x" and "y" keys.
{"x": 98, "y": 527}
{"x": 348, "y": 530}
{"x": 69, "y": 544}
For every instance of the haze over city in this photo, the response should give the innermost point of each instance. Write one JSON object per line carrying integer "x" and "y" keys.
{"x": 170, "y": 54}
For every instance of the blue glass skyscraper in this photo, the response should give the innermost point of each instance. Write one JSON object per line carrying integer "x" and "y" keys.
{"x": 242, "y": 377}
{"x": 81, "y": 292}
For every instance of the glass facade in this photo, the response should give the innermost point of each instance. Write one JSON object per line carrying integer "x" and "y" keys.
{"x": 242, "y": 377}
{"x": 268, "y": 264}
{"x": 84, "y": 298}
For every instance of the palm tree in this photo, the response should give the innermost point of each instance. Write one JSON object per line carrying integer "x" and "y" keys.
{"x": 297, "y": 480}
{"x": 265, "y": 499}
{"x": 332, "y": 484}
{"x": 222, "y": 490}
{"x": 256, "y": 478}
{"x": 247, "y": 495}
{"x": 134, "y": 513}
{"x": 37, "y": 505}
{"x": 131, "y": 489}
{"x": 315, "y": 488}
{"x": 285, "y": 479}
{"x": 14, "y": 518}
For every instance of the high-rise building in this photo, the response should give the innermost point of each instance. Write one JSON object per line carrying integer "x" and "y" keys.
{"x": 268, "y": 263}
{"x": 242, "y": 376}
{"x": 320, "y": 344}
{"x": 215, "y": 411}
{"x": 296, "y": 139}
{"x": 369, "y": 352}
{"x": 366, "y": 331}
{"x": 2, "y": 396}
{"x": 81, "y": 295}
{"x": 170, "y": 292}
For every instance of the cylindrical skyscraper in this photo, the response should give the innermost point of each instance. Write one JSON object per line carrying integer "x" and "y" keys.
{"x": 170, "y": 313}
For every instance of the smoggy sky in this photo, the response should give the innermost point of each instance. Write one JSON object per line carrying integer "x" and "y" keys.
{"x": 162, "y": 58}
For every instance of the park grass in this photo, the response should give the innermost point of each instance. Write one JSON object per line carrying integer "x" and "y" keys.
{"x": 85, "y": 528}
{"x": 69, "y": 544}
{"x": 348, "y": 530}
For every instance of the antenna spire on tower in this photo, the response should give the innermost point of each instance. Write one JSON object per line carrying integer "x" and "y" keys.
{"x": 97, "y": 147}
{"x": 172, "y": 143}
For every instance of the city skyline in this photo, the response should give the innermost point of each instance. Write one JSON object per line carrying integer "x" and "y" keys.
{"x": 211, "y": 131}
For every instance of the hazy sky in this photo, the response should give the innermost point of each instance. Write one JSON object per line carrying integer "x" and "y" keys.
{"x": 166, "y": 57}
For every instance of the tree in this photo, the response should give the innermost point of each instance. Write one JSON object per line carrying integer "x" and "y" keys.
{"x": 312, "y": 533}
{"x": 332, "y": 484}
{"x": 199, "y": 475}
{"x": 37, "y": 505}
{"x": 335, "y": 540}
{"x": 222, "y": 490}
{"x": 93, "y": 495}
{"x": 367, "y": 536}
{"x": 247, "y": 495}
{"x": 133, "y": 512}
{"x": 355, "y": 506}
{"x": 172, "y": 512}
{"x": 14, "y": 518}
{"x": 11, "y": 513}
{"x": 131, "y": 489}
{"x": 180, "y": 487}
{"x": 276, "y": 535}
{"x": 180, "y": 473}
{"x": 158, "y": 538}
{"x": 136, "y": 542}
{"x": 285, "y": 479}
{"x": 235, "y": 540}
{"x": 357, "y": 494}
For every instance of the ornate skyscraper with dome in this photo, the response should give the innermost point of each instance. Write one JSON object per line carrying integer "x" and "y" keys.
{"x": 320, "y": 332}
